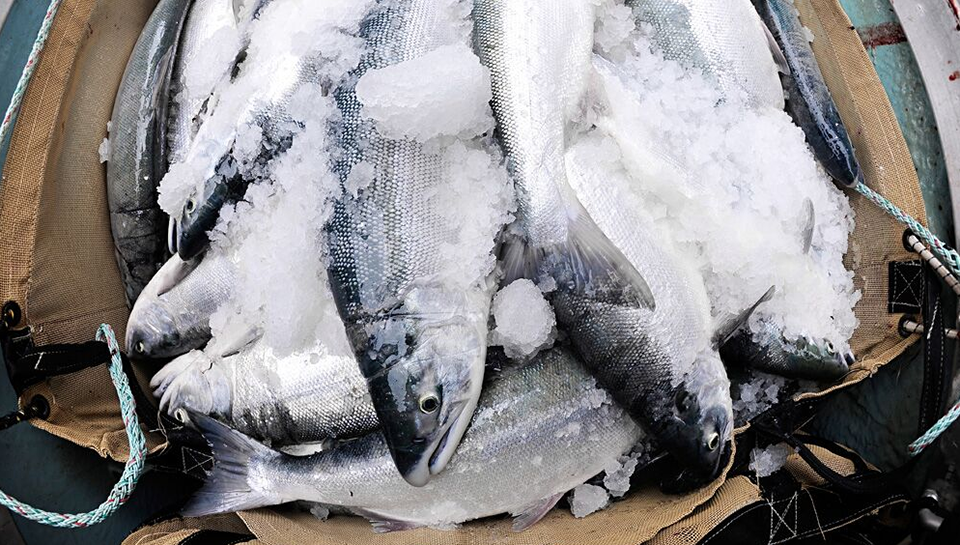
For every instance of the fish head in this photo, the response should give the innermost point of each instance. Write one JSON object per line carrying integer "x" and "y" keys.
{"x": 201, "y": 210}
{"x": 426, "y": 395}
{"x": 698, "y": 424}
{"x": 817, "y": 358}
{"x": 152, "y": 331}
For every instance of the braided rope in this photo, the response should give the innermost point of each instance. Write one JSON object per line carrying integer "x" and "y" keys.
{"x": 950, "y": 257}
{"x": 935, "y": 431}
{"x": 28, "y": 69}
{"x": 131, "y": 472}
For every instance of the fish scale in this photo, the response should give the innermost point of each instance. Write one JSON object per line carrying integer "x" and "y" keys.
{"x": 416, "y": 331}
{"x": 546, "y": 425}
{"x": 310, "y": 396}
{"x": 726, "y": 40}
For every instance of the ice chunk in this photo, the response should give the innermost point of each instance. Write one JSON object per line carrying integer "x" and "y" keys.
{"x": 105, "y": 150}
{"x": 618, "y": 473}
{"x": 525, "y": 321}
{"x": 587, "y": 499}
{"x": 445, "y": 92}
{"x": 767, "y": 461}
{"x": 320, "y": 511}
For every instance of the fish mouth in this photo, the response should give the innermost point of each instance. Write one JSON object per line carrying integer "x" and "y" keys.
{"x": 447, "y": 446}
{"x": 433, "y": 459}
{"x": 172, "y": 273}
{"x": 173, "y": 236}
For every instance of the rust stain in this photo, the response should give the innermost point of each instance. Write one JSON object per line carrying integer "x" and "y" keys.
{"x": 882, "y": 34}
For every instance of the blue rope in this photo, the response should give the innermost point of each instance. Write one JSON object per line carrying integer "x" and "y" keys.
{"x": 131, "y": 472}
{"x": 28, "y": 69}
{"x": 948, "y": 255}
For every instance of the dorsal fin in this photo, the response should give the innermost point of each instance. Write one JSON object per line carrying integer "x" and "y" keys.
{"x": 809, "y": 223}
{"x": 726, "y": 328}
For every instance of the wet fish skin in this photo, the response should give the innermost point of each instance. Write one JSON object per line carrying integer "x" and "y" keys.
{"x": 419, "y": 341}
{"x": 229, "y": 177}
{"x": 769, "y": 352}
{"x": 726, "y": 40}
{"x": 205, "y": 20}
{"x": 311, "y": 396}
{"x": 177, "y": 321}
{"x": 545, "y": 424}
{"x": 809, "y": 101}
{"x": 661, "y": 362}
{"x": 138, "y": 159}
{"x": 540, "y": 57}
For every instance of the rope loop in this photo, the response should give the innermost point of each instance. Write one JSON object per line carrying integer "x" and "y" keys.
{"x": 132, "y": 470}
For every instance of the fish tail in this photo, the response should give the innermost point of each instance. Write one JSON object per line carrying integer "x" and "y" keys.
{"x": 228, "y": 487}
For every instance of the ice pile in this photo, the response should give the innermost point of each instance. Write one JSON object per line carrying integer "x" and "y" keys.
{"x": 525, "y": 323}
{"x": 290, "y": 42}
{"x": 767, "y": 461}
{"x": 726, "y": 183}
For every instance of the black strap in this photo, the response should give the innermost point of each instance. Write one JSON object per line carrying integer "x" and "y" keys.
{"x": 936, "y": 364}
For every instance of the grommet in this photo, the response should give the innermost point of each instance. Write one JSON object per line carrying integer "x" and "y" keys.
{"x": 905, "y": 239}
{"x": 902, "y": 326}
{"x": 11, "y": 314}
{"x": 38, "y": 407}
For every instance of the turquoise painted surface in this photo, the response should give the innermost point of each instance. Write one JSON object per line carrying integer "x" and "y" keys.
{"x": 900, "y": 76}
{"x": 16, "y": 40}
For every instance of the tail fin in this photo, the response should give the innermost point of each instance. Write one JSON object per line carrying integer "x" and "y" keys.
{"x": 228, "y": 487}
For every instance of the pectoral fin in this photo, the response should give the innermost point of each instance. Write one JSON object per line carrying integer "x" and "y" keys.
{"x": 533, "y": 513}
{"x": 778, "y": 57}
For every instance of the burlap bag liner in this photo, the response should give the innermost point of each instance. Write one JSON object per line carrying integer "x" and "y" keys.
{"x": 58, "y": 259}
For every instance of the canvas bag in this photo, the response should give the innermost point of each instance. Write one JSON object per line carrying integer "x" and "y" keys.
{"x": 58, "y": 268}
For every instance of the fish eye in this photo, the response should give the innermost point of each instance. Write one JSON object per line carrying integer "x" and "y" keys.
{"x": 190, "y": 206}
{"x": 429, "y": 403}
{"x": 140, "y": 347}
{"x": 831, "y": 348}
{"x": 713, "y": 441}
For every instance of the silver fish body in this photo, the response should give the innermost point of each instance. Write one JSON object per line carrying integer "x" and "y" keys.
{"x": 540, "y": 55}
{"x": 311, "y": 396}
{"x": 678, "y": 388}
{"x": 206, "y": 20}
{"x": 229, "y": 176}
{"x": 419, "y": 335}
{"x": 809, "y": 102}
{"x": 726, "y": 40}
{"x": 138, "y": 157}
{"x": 546, "y": 425}
{"x": 171, "y": 323}
{"x": 768, "y": 351}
